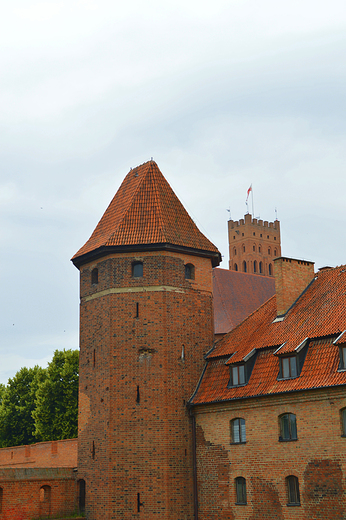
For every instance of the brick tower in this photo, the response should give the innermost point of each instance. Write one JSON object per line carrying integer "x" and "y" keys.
{"x": 145, "y": 323}
{"x": 253, "y": 245}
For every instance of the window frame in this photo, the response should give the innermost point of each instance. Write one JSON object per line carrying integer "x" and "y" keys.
{"x": 292, "y": 435}
{"x": 343, "y": 421}
{"x": 241, "y": 375}
{"x": 342, "y": 353}
{"x": 94, "y": 276}
{"x": 282, "y": 369}
{"x": 293, "y": 494}
{"x": 240, "y": 423}
{"x": 240, "y": 491}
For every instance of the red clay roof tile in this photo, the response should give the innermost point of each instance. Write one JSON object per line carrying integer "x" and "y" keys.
{"x": 319, "y": 314}
{"x": 236, "y": 295}
{"x": 145, "y": 211}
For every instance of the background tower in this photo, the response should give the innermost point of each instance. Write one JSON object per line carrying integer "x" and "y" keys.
{"x": 253, "y": 245}
{"x": 145, "y": 323}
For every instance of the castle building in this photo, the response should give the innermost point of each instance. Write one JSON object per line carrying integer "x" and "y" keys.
{"x": 146, "y": 322}
{"x": 173, "y": 425}
{"x": 253, "y": 245}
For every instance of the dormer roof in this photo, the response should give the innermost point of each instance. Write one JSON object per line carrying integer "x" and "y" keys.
{"x": 145, "y": 214}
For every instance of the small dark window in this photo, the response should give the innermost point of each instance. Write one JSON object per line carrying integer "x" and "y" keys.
{"x": 289, "y": 367}
{"x": 269, "y": 251}
{"x": 259, "y": 249}
{"x": 240, "y": 489}
{"x": 261, "y": 235}
{"x": 235, "y": 267}
{"x": 260, "y": 268}
{"x": 242, "y": 234}
{"x": 267, "y": 236}
{"x": 1, "y": 495}
{"x": 95, "y": 276}
{"x": 137, "y": 269}
{"x": 275, "y": 252}
{"x": 189, "y": 272}
{"x": 343, "y": 422}
{"x": 288, "y": 427}
{"x": 244, "y": 267}
{"x": 234, "y": 251}
{"x": 243, "y": 249}
{"x": 270, "y": 270}
{"x": 255, "y": 267}
{"x": 254, "y": 234}
{"x": 238, "y": 375}
{"x": 253, "y": 248}
{"x": 274, "y": 238}
{"x": 293, "y": 497}
{"x": 238, "y": 432}
{"x": 342, "y": 358}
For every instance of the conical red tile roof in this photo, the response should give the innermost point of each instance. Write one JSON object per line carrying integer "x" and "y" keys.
{"x": 146, "y": 212}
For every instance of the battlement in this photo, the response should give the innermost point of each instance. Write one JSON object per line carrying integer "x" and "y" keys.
{"x": 248, "y": 220}
{"x": 42, "y": 454}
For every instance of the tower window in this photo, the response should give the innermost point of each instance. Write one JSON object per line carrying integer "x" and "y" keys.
{"x": 270, "y": 270}
{"x": 275, "y": 252}
{"x": 243, "y": 249}
{"x": 254, "y": 234}
{"x": 259, "y": 249}
{"x": 269, "y": 251}
{"x": 234, "y": 251}
{"x": 189, "y": 272}
{"x": 240, "y": 489}
{"x": 274, "y": 238}
{"x": 254, "y": 248}
{"x": 293, "y": 497}
{"x": 95, "y": 276}
{"x": 137, "y": 269}
{"x": 244, "y": 267}
{"x": 260, "y": 268}
{"x": 255, "y": 267}
{"x": 235, "y": 267}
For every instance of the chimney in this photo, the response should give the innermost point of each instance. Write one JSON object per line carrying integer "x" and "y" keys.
{"x": 291, "y": 278}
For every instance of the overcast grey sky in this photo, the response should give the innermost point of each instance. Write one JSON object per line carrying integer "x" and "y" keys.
{"x": 221, "y": 94}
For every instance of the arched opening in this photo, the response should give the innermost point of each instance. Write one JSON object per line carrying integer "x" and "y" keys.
{"x": 1, "y": 494}
{"x": 270, "y": 269}
{"x": 95, "y": 276}
{"x": 255, "y": 266}
{"x": 236, "y": 267}
{"x": 234, "y": 251}
{"x": 45, "y": 500}
{"x": 81, "y": 495}
{"x": 244, "y": 267}
{"x": 137, "y": 269}
{"x": 240, "y": 489}
{"x": 293, "y": 496}
{"x": 260, "y": 268}
{"x": 269, "y": 251}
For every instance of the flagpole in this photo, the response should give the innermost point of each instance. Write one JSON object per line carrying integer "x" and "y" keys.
{"x": 253, "y": 212}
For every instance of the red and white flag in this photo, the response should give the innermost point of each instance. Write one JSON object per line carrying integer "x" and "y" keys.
{"x": 248, "y": 192}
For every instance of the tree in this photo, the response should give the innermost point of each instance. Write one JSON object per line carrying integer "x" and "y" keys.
{"x": 17, "y": 404}
{"x": 56, "y": 412}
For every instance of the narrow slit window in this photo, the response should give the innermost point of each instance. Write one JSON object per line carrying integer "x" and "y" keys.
{"x": 343, "y": 422}
{"x": 95, "y": 276}
{"x": 240, "y": 488}
{"x": 137, "y": 310}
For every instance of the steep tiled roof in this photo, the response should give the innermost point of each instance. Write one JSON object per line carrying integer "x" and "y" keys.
{"x": 318, "y": 314}
{"x": 146, "y": 211}
{"x": 236, "y": 295}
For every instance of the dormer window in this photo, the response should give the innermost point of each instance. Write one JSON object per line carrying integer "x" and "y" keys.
{"x": 289, "y": 367}
{"x": 137, "y": 269}
{"x": 240, "y": 372}
{"x": 238, "y": 375}
{"x": 343, "y": 358}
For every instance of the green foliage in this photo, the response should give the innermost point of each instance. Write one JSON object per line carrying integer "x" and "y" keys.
{"x": 56, "y": 411}
{"x": 17, "y": 404}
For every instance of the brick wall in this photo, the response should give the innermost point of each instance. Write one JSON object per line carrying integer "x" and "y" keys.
{"x": 138, "y": 367}
{"x": 54, "y": 454}
{"x": 32, "y": 493}
{"x": 317, "y": 458}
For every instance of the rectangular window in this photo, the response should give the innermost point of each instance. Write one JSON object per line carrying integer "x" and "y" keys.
{"x": 289, "y": 367}
{"x": 238, "y": 375}
{"x": 343, "y": 350}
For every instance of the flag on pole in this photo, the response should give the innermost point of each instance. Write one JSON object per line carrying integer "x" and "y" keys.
{"x": 248, "y": 192}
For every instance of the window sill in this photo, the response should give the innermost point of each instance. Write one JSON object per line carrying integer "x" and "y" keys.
{"x": 341, "y": 370}
{"x": 288, "y": 440}
{"x": 236, "y": 443}
{"x": 293, "y": 505}
{"x": 286, "y": 378}
{"x": 236, "y": 386}
{"x": 241, "y": 503}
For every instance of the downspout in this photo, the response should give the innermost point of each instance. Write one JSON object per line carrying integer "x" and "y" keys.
{"x": 194, "y": 458}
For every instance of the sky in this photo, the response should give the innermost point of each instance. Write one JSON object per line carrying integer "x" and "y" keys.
{"x": 221, "y": 94}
